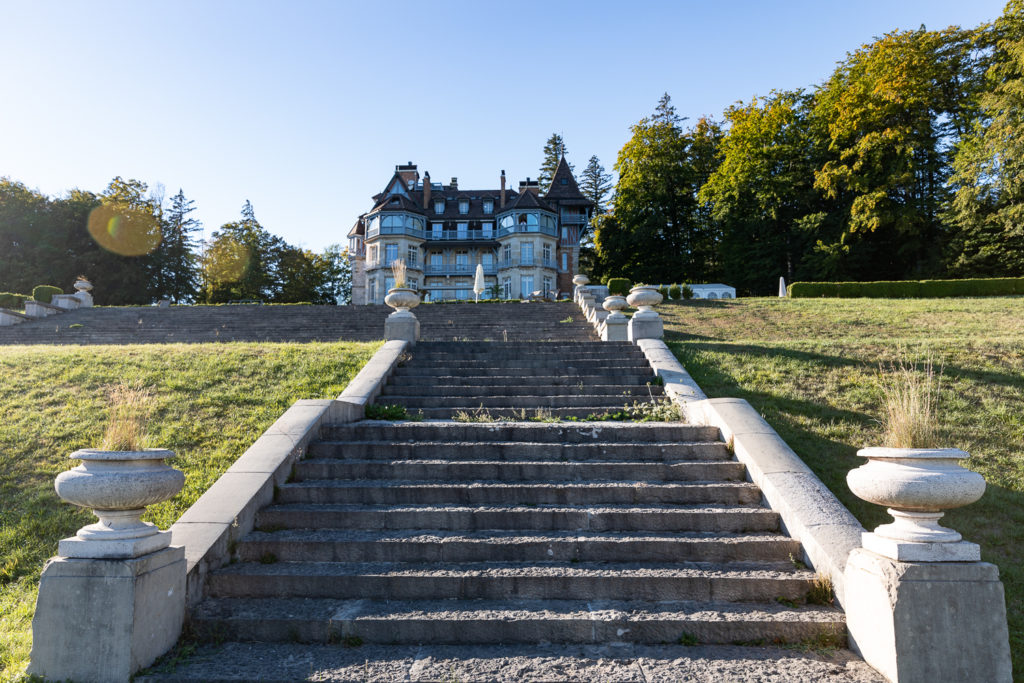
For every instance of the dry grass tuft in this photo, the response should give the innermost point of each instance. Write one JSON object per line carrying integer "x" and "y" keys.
{"x": 130, "y": 407}
{"x": 909, "y": 402}
{"x": 398, "y": 269}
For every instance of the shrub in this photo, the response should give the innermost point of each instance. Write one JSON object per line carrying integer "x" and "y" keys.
{"x": 903, "y": 289}
{"x": 618, "y": 285}
{"x": 687, "y": 292}
{"x": 674, "y": 292}
{"x": 663, "y": 290}
{"x": 44, "y": 293}
{"x": 12, "y": 300}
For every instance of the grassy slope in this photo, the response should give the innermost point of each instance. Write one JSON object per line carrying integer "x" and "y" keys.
{"x": 810, "y": 366}
{"x": 212, "y": 402}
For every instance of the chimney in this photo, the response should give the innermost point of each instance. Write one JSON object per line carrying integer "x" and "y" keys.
{"x": 502, "y": 188}
{"x": 426, "y": 190}
{"x": 455, "y": 183}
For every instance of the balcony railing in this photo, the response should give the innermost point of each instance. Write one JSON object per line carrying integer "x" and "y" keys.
{"x": 457, "y": 269}
{"x": 527, "y": 229}
{"x": 574, "y": 218}
{"x": 390, "y": 230}
{"x": 459, "y": 235}
{"x": 381, "y": 263}
{"x": 528, "y": 263}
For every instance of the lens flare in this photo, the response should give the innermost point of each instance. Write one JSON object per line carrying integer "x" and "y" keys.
{"x": 124, "y": 231}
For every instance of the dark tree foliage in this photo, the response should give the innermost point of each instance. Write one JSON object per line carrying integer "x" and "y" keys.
{"x": 554, "y": 149}
{"x": 176, "y": 267}
{"x": 595, "y": 184}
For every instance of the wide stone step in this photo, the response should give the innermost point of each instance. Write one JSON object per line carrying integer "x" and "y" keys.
{"x": 357, "y": 545}
{"x": 498, "y": 389}
{"x": 616, "y": 400}
{"x": 397, "y": 492}
{"x": 523, "y": 368}
{"x": 643, "y": 473}
{"x": 674, "y": 518}
{"x": 465, "y": 449}
{"x": 472, "y": 412}
{"x": 437, "y": 366}
{"x": 733, "y": 582}
{"x": 539, "y": 350}
{"x": 563, "y": 378}
{"x": 519, "y": 621}
{"x": 566, "y": 433}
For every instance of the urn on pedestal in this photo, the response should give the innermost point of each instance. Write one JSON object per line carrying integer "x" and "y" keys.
{"x": 645, "y": 323}
{"x": 916, "y": 485}
{"x": 118, "y": 485}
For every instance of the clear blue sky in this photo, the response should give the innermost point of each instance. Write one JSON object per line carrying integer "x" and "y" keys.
{"x": 304, "y": 108}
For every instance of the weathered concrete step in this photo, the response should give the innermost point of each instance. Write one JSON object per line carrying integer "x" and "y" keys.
{"x": 636, "y": 378}
{"x": 578, "y": 351}
{"x": 499, "y": 389}
{"x": 733, "y": 519}
{"x": 520, "y": 451}
{"x": 520, "y": 621}
{"x": 475, "y": 413}
{"x": 566, "y": 433}
{"x": 394, "y": 492}
{"x": 340, "y": 545}
{"x": 511, "y": 471}
{"x": 479, "y": 366}
{"x": 590, "y": 399}
{"x": 733, "y": 582}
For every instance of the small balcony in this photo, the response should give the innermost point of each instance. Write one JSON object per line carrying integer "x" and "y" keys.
{"x": 528, "y": 263}
{"x": 463, "y": 269}
{"x": 527, "y": 230}
{"x": 459, "y": 235}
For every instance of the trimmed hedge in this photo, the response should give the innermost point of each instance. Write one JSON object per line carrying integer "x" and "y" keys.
{"x": 909, "y": 289}
{"x": 44, "y": 293}
{"x": 618, "y": 285}
{"x": 687, "y": 292}
{"x": 674, "y": 292}
{"x": 12, "y": 300}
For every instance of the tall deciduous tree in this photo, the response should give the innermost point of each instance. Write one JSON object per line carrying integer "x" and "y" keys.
{"x": 988, "y": 207}
{"x": 893, "y": 108}
{"x": 663, "y": 236}
{"x": 554, "y": 148}
{"x": 762, "y": 193}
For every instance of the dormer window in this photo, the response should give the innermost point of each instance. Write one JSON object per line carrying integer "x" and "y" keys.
{"x": 463, "y": 206}
{"x": 565, "y": 181}
{"x": 439, "y": 206}
{"x": 488, "y": 206}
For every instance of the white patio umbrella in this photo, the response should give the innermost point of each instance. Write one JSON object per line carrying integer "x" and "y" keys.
{"x": 478, "y": 282}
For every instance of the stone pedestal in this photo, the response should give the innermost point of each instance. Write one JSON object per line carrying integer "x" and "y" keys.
{"x": 402, "y": 326}
{"x": 928, "y": 621}
{"x": 35, "y": 309}
{"x": 103, "y": 620}
{"x": 84, "y": 299}
{"x": 68, "y": 302}
{"x": 645, "y": 325}
{"x": 615, "y": 328}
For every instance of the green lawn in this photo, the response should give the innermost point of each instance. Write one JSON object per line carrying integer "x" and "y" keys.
{"x": 212, "y": 402}
{"x": 811, "y": 366}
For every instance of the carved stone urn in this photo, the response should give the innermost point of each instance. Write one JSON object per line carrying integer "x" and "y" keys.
{"x": 118, "y": 485}
{"x": 644, "y": 297}
{"x": 581, "y": 282}
{"x": 916, "y": 485}
{"x": 402, "y": 299}
{"x": 614, "y": 304}
{"x": 82, "y": 289}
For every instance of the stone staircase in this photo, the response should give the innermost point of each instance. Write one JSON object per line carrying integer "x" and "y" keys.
{"x": 299, "y": 323}
{"x": 520, "y": 379}
{"x": 443, "y": 532}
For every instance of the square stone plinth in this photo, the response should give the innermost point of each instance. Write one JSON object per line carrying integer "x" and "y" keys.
{"x": 103, "y": 620}
{"x": 904, "y": 551}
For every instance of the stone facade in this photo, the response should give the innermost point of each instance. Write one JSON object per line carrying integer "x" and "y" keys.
{"x": 526, "y": 243}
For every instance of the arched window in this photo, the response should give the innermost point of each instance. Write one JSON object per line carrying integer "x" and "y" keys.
{"x": 506, "y": 221}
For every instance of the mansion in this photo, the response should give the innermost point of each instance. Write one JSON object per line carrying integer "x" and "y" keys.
{"x": 526, "y": 243}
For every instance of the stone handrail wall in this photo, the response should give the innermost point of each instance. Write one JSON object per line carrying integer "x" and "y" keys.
{"x": 227, "y": 511}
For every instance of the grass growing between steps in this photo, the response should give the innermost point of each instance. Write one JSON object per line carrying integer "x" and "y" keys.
{"x": 211, "y": 402}
{"x": 811, "y": 367}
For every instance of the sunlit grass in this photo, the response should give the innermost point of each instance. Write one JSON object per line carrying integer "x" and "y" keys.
{"x": 811, "y": 367}
{"x": 209, "y": 403}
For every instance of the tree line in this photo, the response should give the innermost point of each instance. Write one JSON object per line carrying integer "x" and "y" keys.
{"x": 137, "y": 248}
{"x": 904, "y": 164}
